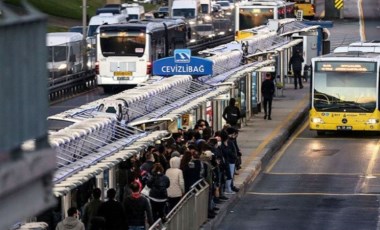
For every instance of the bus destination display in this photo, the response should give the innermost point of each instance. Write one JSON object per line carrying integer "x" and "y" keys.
{"x": 345, "y": 66}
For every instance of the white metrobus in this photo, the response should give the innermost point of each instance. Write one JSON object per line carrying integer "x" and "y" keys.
{"x": 125, "y": 52}
{"x": 250, "y": 14}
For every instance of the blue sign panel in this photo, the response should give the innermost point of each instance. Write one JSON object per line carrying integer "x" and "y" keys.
{"x": 182, "y": 56}
{"x": 182, "y": 63}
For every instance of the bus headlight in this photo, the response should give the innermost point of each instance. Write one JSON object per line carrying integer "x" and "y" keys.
{"x": 62, "y": 66}
{"x": 317, "y": 120}
{"x": 372, "y": 121}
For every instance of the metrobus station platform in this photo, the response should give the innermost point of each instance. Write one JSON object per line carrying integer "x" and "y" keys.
{"x": 259, "y": 139}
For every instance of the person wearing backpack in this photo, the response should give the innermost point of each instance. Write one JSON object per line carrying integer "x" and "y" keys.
{"x": 231, "y": 113}
{"x": 158, "y": 194}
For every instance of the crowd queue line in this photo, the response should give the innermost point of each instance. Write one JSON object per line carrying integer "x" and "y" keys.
{"x": 151, "y": 183}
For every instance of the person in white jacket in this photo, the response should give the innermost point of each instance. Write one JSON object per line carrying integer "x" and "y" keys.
{"x": 177, "y": 184}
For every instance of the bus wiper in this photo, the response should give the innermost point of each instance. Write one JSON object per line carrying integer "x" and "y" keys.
{"x": 352, "y": 105}
{"x": 345, "y": 105}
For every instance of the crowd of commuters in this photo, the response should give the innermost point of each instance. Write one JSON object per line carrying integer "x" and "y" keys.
{"x": 152, "y": 184}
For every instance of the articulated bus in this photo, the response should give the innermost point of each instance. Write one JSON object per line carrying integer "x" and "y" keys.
{"x": 306, "y": 6}
{"x": 345, "y": 89}
{"x": 125, "y": 52}
{"x": 257, "y": 13}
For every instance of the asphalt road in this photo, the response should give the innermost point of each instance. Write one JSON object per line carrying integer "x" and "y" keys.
{"x": 321, "y": 183}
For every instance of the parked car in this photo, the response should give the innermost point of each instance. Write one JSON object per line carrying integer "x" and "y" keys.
{"x": 113, "y": 10}
{"x": 226, "y": 5}
{"x": 161, "y": 12}
{"x": 143, "y": 1}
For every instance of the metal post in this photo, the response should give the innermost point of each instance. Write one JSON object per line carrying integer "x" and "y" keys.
{"x": 112, "y": 178}
{"x": 100, "y": 183}
{"x": 66, "y": 204}
{"x": 84, "y": 24}
{"x": 282, "y": 66}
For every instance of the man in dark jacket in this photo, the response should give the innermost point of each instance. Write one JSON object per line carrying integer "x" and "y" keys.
{"x": 112, "y": 211}
{"x": 194, "y": 170}
{"x": 137, "y": 208}
{"x": 91, "y": 208}
{"x": 296, "y": 62}
{"x": 267, "y": 91}
{"x": 231, "y": 113}
{"x": 158, "y": 195}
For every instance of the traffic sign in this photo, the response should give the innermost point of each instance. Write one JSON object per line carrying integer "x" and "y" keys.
{"x": 182, "y": 63}
{"x": 339, "y": 4}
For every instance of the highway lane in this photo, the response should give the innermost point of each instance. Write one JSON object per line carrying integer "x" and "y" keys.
{"x": 369, "y": 16}
{"x": 329, "y": 182}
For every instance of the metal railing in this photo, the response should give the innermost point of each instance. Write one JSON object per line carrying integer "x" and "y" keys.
{"x": 190, "y": 213}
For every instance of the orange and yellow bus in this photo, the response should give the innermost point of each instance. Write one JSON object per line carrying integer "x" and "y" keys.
{"x": 306, "y": 6}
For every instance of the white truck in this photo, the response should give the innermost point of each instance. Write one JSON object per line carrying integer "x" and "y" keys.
{"x": 134, "y": 11}
{"x": 64, "y": 53}
{"x": 104, "y": 18}
{"x": 189, "y": 9}
{"x": 205, "y": 7}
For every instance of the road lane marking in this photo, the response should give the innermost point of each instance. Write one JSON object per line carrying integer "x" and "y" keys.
{"x": 361, "y": 21}
{"x": 257, "y": 151}
{"x": 309, "y": 194}
{"x": 363, "y": 183}
{"x": 281, "y": 152}
{"x": 317, "y": 174}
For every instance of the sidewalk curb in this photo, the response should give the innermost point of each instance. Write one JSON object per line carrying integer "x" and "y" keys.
{"x": 253, "y": 169}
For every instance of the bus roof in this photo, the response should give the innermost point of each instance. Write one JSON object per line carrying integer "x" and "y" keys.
{"x": 150, "y": 25}
{"x": 265, "y": 3}
{"x": 107, "y": 18}
{"x": 360, "y": 47}
{"x": 59, "y": 38}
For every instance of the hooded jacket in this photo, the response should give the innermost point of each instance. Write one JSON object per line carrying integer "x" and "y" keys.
{"x": 177, "y": 184}
{"x": 70, "y": 223}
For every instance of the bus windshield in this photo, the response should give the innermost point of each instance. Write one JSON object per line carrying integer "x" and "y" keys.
{"x": 345, "y": 91}
{"x": 127, "y": 42}
{"x": 253, "y": 17}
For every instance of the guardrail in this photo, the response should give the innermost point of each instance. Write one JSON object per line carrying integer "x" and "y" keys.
{"x": 196, "y": 47}
{"x": 183, "y": 216}
{"x": 72, "y": 83}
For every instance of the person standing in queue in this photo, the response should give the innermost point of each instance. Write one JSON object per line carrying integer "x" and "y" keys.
{"x": 112, "y": 211}
{"x": 71, "y": 222}
{"x": 267, "y": 91}
{"x": 231, "y": 113}
{"x": 295, "y": 63}
{"x": 137, "y": 209}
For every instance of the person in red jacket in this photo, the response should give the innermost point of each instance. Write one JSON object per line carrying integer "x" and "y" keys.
{"x": 137, "y": 208}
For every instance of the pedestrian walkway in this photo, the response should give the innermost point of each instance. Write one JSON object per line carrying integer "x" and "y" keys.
{"x": 260, "y": 139}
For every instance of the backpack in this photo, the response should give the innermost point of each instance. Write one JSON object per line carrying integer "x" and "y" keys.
{"x": 232, "y": 115}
